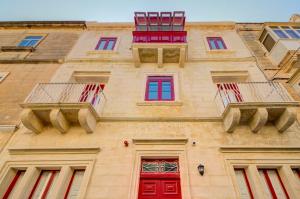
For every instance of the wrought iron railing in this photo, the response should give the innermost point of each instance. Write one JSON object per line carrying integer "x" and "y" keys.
{"x": 159, "y": 36}
{"x": 250, "y": 92}
{"x": 67, "y": 93}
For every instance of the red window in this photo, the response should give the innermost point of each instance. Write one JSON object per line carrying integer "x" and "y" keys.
{"x": 160, "y": 88}
{"x": 74, "y": 184}
{"x": 106, "y": 43}
{"x": 216, "y": 43}
{"x": 229, "y": 93}
{"x": 91, "y": 93}
{"x": 272, "y": 184}
{"x": 13, "y": 184}
{"x": 44, "y": 184}
{"x": 243, "y": 183}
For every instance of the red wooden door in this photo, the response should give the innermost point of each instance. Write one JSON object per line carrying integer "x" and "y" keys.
{"x": 159, "y": 179}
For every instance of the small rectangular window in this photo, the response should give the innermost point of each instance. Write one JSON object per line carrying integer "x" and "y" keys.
{"x": 159, "y": 88}
{"x": 30, "y": 41}
{"x": 74, "y": 184}
{"x": 272, "y": 183}
{"x": 216, "y": 43}
{"x": 269, "y": 43}
{"x": 106, "y": 43}
{"x": 243, "y": 183}
{"x": 13, "y": 186}
{"x": 44, "y": 184}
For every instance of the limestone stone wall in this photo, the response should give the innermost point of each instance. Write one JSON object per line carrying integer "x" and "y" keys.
{"x": 55, "y": 44}
{"x": 17, "y": 86}
{"x": 190, "y": 128}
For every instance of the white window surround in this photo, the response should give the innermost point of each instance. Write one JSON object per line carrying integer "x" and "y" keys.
{"x": 142, "y": 89}
{"x": 164, "y": 148}
{"x": 3, "y": 75}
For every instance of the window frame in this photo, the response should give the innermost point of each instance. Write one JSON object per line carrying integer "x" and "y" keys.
{"x": 160, "y": 79}
{"x": 48, "y": 183}
{"x": 12, "y": 184}
{"x": 269, "y": 183}
{"x": 246, "y": 178}
{"x": 33, "y": 46}
{"x": 70, "y": 184}
{"x": 215, "y": 40}
{"x": 107, "y": 40}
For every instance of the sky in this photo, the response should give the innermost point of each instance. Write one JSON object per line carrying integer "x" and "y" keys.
{"x": 122, "y": 10}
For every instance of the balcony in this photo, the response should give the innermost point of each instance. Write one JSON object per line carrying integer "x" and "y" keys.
{"x": 255, "y": 104}
{"x": 62, "y": 104}
{"x": 159, "y": 38}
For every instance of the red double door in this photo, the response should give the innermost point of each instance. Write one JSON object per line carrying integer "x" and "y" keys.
{"x": 159, "y": 185}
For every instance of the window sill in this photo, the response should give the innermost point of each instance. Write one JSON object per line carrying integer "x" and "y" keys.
{"x": 159, "y": 103}
{"x": 99, "y": 52}
{"x": 17, "y": 49}
{"x": 221, "y": 51}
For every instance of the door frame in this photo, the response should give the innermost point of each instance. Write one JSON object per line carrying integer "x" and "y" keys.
{"x": 146, "y": 151}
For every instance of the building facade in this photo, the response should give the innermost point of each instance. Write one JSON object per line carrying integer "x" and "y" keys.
{"x": 156, "y": 109}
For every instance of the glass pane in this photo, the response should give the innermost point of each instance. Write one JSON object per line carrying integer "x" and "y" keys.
{"x": 150, "y": 167}
{"x": 220, "y": 44}
{"x": 75, "y": 186}
{"x": 24, "y": 43}
{"x": 34, "y": 37}
{"x": 110, "y": 45}
{"x": 10, "y": 193}
{"x": 265, "y": 184}
{"x": 32, "y": 42}
{"x": 280, "y": 33}
{"x": 153, "y": 86}
{"x": 45, "y": 179}
{"x": 101, "y": 45}
{"x": 212, "y": 44}
{"x": 274, "y": 178}
{"x": 166, "y": 86}
{"x": 153, "y": 28}
{"x": 169, "y": 167}
{"x": 166, "y": 95}
{"x": 292, "y": 33}
{"x": 242, "y": 183}
{"x": 152, "y": 95}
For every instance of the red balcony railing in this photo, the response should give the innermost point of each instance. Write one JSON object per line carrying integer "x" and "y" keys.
{"x": 159, "y": 36}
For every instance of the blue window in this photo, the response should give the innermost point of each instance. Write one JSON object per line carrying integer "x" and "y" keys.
{"x": 159, "y": 88}
{"x": 106, "y": 43}
{"x": 291, "y": 33}
{"x": 216, "y": 43}
{"x": 279, "y": 33}
{"x": 30, "y": 41}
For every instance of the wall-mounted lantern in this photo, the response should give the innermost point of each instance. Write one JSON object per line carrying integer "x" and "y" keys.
{"x": 201, "y": 169}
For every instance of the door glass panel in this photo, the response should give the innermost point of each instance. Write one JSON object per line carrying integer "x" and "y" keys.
{"x": 169, "y": 167}
{"x": 150, "y": 167}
